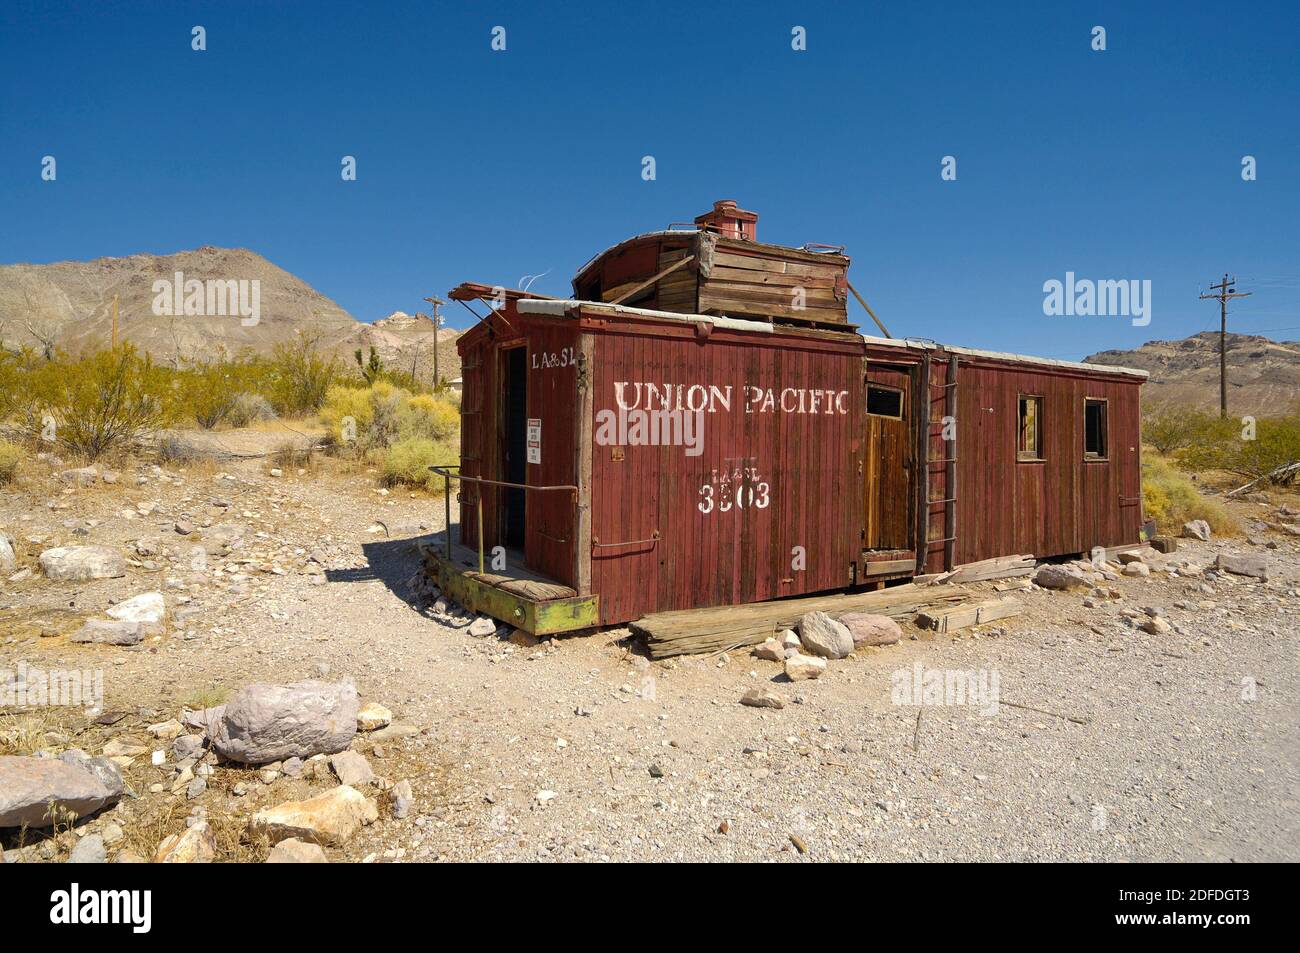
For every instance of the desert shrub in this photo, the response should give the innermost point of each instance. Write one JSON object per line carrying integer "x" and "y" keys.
{"x": 209, "y": 392}
{"x": 173, "y": 450}
{"x": 1168, "y": 428}
{"x": 101, "y": 402}
{"x": 298, "y": 376}
{"x": 294, "y": 455}
{"x": 10, "y": 456}
{"x": 428, "y": 416}
{"x": 407, "y": 462}
{"x": 248, "y": 408}
{"x": 1248, "y": 449}
{"x": 1171, "y": 499}
{"x": 383, "y": 414}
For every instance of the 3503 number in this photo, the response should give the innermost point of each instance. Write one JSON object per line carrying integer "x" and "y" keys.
{"x": 738, "y": 490}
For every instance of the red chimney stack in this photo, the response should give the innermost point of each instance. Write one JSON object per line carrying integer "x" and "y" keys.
{"x": 729, "y": 221}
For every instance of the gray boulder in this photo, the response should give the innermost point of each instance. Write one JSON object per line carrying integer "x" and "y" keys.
{"x": 822, "y": 635}
{"x": 1197, "y": 529}
{"x": 265, "y": 723}
{"x": 82, "y": 476}
{"x": 35, "y": 792}
{"x": 82, "y": 563}
{"x": 89, "y": 850}
{"x": 108, "y": 632}
{"x": 1051, "y": 576}
{"x": 1253, "y": 566}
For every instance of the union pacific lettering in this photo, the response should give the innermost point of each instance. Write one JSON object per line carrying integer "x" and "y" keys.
{"x": 710, "y": 399}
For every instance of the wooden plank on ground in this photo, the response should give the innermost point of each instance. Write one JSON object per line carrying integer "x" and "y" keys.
{"x": 1000, "y": 567}
{"x": 968, "y": 614}
{"x": 688, "y": 631}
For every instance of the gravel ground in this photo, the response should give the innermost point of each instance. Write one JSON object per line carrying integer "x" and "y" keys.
{"x": 1147, "y": 747}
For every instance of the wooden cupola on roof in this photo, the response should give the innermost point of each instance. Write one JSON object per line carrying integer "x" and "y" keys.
{"x": 720, "y": 268}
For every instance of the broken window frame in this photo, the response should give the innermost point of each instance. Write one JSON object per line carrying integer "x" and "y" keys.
{"x": 1035, "y": 455}
{"x": 902, "y": 399}
{"x": 1102, "y": 455}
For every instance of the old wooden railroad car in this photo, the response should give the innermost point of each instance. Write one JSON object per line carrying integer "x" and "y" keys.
{"x": 701, "y": 426}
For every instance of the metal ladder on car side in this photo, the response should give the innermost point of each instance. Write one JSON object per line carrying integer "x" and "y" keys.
{"x": 947, "y": 394}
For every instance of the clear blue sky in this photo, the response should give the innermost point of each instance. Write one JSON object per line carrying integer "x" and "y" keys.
{"x": 478, "y": 165}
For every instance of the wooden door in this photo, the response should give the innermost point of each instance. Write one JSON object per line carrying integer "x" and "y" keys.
{"x": 888, "y": 469}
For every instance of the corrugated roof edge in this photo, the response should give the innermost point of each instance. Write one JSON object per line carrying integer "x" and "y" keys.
{"x": 1007, "y": 356}
{"x": 560, "y": 307}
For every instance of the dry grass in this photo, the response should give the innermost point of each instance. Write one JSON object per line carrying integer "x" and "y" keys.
{"x": 209, "y": 696}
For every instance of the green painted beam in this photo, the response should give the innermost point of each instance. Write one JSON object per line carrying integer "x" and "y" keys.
{"x": 537, "y": 617}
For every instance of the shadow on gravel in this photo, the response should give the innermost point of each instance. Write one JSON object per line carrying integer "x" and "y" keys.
{"x": 391, "y": 561}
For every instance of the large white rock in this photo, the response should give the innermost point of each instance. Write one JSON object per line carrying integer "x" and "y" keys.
{"x": 35, "y": 792}
{"x": 82, "y": 563}
{"x": 329, "y": 819}
{"x": 146, "y": 609}
{"x": 265, "y": 723}
{"x": 822, "y": 635}
{"x": 8, "y": 559}
{"x": 1197, "y": 529}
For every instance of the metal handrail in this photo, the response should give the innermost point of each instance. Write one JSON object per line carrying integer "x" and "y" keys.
{"x": 444, "y": 471}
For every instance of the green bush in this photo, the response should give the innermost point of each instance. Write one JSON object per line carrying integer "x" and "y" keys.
{"x": 1171, "y": 499}
{"x": 1169, "y": 429}
{"x": 1248, "y": 450}
{"x": 102, "y": 402}
{"x": 298, "y": 376}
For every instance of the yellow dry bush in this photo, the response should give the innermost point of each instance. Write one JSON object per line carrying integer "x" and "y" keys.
{"x": 1171, "y": 499}
{"x": 383, "y": 414}
{"x": 407, "y": 463}
{"x": 10, "y": 456}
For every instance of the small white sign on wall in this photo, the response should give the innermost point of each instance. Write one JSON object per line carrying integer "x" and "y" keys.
{"x": 534, "y": 440}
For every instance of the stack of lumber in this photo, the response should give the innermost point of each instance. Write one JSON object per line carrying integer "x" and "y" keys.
{"x": 689, "y": 631}
{"x": 970, "y": 613}
{"x": 744, "y": 277}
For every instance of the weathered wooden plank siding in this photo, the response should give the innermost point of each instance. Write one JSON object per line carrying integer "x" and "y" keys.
{"x": 1062, "y": 504}
{"x": 765, "y": 482}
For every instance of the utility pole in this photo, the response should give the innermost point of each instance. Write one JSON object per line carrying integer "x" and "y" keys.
{"x": 437, "y": 321}
{"x": 1226, "y": 289}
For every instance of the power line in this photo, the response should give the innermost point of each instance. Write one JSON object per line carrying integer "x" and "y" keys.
{"x": 1226, "y": 291}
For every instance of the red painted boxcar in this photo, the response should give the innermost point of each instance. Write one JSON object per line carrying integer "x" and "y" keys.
{"x": 700, "y": 426}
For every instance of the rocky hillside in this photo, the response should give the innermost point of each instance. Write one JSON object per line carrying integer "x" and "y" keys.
{"x": 1263, "y": 375}
{"x": 70, "y": 305}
